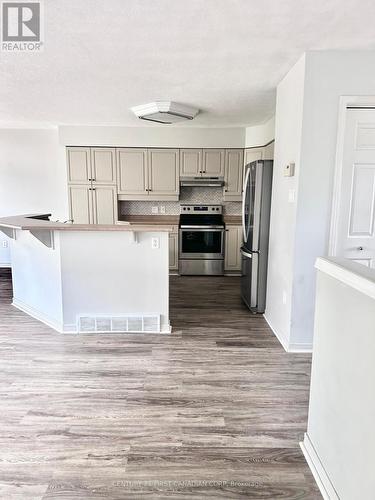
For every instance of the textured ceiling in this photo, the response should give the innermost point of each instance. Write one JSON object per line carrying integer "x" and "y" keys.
{"x": 223, "y": 56}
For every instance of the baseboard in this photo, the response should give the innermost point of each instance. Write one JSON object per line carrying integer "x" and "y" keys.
{"x": 279, "y": 337}
{"x": 320, "y": 475}
{"x": 289, "y": 346}
{"x": 36, "y": 314}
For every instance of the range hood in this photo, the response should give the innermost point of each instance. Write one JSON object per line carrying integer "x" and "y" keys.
{"x": 202, "y": 181}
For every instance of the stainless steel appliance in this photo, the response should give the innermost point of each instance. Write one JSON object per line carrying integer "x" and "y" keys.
{"x": 201, "y": 248}
{"x": 256, "y": 204}
{"x": 202, "y": 181}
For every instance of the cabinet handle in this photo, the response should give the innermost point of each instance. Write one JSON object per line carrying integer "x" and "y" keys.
{"x": 90, "y": 179}
{"x": 93, "y": 180}
{"x": 93, "y": 189}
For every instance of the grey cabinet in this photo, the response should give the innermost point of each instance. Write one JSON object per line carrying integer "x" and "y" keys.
{"x": 79, "y": 165}
{"x": 92, "y": 205}
{"x": 213, "y": 163}
{"x": 163, "y": 173}
{"x": 233, "y": 242}
{"x": 233, "y": 177}
{"x": 202, "y": 162}
{"x": 173, "y": 251}
{"x": 92, "y": 185}
{"x": 132, "y": 172}
{"x": 148, "y": 174}
{"x": 190, "y": 162}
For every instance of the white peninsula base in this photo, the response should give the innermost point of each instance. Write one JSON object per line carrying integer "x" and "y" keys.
{"x": 98, "y": 280}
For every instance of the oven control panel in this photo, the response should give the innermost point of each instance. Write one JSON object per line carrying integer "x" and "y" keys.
{"x": 201, "y": 209}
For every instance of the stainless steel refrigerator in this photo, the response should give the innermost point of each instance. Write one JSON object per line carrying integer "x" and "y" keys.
{"x": 256, "y": 205}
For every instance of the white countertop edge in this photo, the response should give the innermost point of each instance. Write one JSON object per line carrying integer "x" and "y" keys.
{"x": 353, "y": 274}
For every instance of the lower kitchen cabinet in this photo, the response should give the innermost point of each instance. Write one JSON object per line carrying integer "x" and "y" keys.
{"x": 93, "y": 205}
{"x": 173, "y": 251}
{"x": 233, "y": 243}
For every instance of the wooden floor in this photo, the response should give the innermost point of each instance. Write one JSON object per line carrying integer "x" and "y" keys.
{"x": 215, "y": 410}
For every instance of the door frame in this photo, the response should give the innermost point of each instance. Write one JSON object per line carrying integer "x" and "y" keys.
{"x": 346, "y": 101}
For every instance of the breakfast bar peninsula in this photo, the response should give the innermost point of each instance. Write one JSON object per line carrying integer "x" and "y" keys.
{"x": 90, "y": 277}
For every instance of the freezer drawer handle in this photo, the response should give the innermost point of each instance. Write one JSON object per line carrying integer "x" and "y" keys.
{"x": 245, "y": 253}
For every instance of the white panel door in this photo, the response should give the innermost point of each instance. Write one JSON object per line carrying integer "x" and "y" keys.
{"x": 355, "y": 228}
{"x": 104, "y": 165}
{"x": 132, "y": 171}
{"x": 164, "y": 178}
{"x": 191, "y": 162}
{"x": 80, "y": 204}
{"x": 79, "y": 165}
{"x": 104, "y": 204}
{"x": 213, "y": 163}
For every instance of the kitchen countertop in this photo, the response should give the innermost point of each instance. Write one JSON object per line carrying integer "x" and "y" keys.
{"x": 172, "y": 219}
{"x": 35, "y": 222}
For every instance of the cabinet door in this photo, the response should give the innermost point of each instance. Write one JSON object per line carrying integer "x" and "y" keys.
{"x": 132, "y": 172}
{"x": 173, "y": 251}
{"x": 104, "y": 204}
{"x": 268, "y": 151}
{"x": 79, "y": 165}
{"x": 213, "y": 162}
{"x": 190, "y": 162}
{"x": 233, "y": 175}
{"x": 163, "y": 176}
{"x": 103, "y": 161}
{"x": 80, "y": 204}
{"x": 233, "y": 242}
{"x": 253, "y": 154}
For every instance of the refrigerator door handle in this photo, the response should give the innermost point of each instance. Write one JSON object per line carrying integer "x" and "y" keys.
{"x": 246, "y": 181}
{"x": 245, "y": 253}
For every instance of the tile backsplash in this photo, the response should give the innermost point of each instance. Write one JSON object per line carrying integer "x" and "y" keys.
{"x": 199, "y": 195}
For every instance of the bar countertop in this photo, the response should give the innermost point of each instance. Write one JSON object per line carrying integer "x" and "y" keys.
{"x": 30, "y": 222}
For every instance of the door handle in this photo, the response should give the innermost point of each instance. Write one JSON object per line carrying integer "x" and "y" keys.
{"x": 245, "y": 253}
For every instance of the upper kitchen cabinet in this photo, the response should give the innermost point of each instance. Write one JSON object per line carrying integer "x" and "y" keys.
{"x": 213, "y": 163}
{"x": 79, "y": 165}
{"x": 80, "y": 204}
{"x": 132, "y": 173}
{"x": 148, "y": 174}
{"x": 233, "y": 175}
{"x": 103, "y": 161}
{"x": 163, "y": 174}
{"x": 253, "y": 154}
{"x": 191, "y": 162}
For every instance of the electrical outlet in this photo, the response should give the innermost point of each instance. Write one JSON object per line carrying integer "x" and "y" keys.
{"x": 5, "y": 244}
{"x": 155, "y": 210}
{"x": 154, "y": 242}
{"x": 162, "y": 209}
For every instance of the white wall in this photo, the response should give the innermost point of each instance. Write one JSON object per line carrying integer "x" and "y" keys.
{"x": 340, "y": 437}
{"x": 288, "y": 130}
{"x": 329, "y": 75}
{"x": 260, "y": 135}
{"x": 301, "y": 231}
{"x": 153, "y": 136}
{"x": 32, "y": 175}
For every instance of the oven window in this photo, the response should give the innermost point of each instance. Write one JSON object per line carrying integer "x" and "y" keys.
{"x": 201, "y": 241}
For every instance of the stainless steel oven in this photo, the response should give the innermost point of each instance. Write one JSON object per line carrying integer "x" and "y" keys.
{"x": 201, "y": 242}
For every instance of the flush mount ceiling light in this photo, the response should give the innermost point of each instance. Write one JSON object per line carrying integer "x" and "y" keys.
{"x": 165, "y": 112}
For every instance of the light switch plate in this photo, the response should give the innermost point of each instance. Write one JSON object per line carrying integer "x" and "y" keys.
{"x": 5, "y": 244}
{"x": 162, "y": 209}
{"x": 292, "y": 195}
{"x": 289, "y": 170}
{"x": 155, "y": 210}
